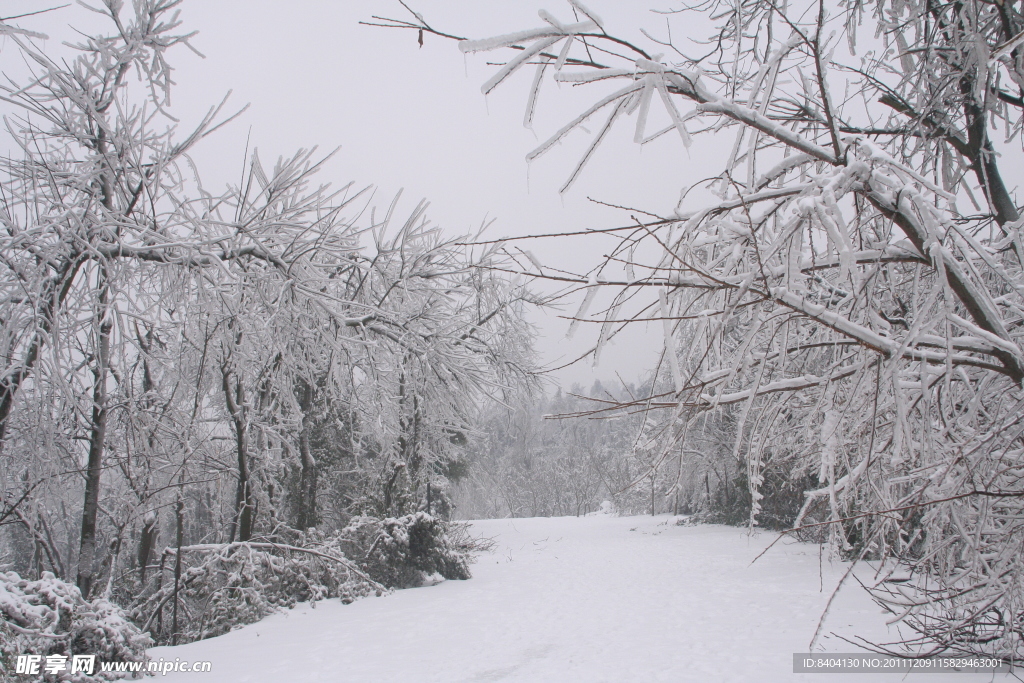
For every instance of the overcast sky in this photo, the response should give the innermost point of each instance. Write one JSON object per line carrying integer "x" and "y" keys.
{"x": 405, "y": 117}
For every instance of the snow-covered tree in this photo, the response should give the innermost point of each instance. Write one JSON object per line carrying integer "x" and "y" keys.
{"x": 846, "y": 293}
{"x": 89, "y": 217}
{"x": 177, "y": 361}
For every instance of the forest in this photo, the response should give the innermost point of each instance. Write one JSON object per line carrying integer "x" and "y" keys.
{"x": 218, "y": 403}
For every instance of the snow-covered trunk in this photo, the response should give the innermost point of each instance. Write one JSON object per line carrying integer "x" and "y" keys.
{"x": 234, "y": 399}
{"x": 306, "y": 514}
{"x": 179, "y": 541}
{"x": 18, "y": 370}
{"x": 147, "y": 541}
{"x": 410, "y": 447}
{"x": 983, "y": 158}
{"x": 97, "y": 439}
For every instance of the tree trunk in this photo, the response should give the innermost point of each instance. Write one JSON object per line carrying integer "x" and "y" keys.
{"x": 983, "y": 158}
{"x": 389, "y": 487}
{"x": 234, "y": 397}
{"x": 179, "y": 537}
{"x": 94, "y": 467}
{"x": 54, "y": 294}
{"x": 409, "y": 429}
{"x": 147, "y": 541}
{"x": 652, "y": 495}
{"x": 307, "y": 509}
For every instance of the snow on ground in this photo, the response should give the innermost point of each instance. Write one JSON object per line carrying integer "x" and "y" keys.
{"x": 590, "y": 599}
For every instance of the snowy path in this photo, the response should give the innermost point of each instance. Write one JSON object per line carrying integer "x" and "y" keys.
{"x": 567, "y": 599}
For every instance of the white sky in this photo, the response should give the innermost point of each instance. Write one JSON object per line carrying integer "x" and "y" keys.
{"x": 412, "y": 118}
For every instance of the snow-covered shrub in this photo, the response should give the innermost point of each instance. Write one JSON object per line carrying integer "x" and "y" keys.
{"x": 401, "y": 551}
{"x": 229, "y": 585}
{"x": 50, "y": 617}
{"x": 781, "y": 501}
{"x": 225, "y": 586}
